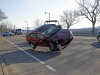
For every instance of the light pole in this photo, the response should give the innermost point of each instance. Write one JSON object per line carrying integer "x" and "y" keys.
{"x": 49, "y": 16}
{"x": 27, "y": 26}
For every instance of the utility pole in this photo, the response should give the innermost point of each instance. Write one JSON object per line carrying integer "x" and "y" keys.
{"x": 27, "y": 26}
{"x": 49, "y": 16}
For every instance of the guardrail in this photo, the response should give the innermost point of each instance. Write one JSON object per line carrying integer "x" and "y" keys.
{"x": 85, "y": 34}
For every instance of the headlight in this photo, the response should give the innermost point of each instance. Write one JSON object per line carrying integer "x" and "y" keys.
{"x": 71, "y": 33}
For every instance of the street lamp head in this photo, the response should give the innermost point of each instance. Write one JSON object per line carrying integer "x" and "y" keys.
{"x": 25, "y": 21}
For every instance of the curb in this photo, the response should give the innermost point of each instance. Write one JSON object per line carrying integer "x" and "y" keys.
{"x": 3, "y": 69}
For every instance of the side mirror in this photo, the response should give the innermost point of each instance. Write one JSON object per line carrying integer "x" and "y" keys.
{"x": 59, "y": 26}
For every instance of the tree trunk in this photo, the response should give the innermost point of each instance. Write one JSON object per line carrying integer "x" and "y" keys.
{"x": 93, "y": 28}
{"x": 67, "y": 27}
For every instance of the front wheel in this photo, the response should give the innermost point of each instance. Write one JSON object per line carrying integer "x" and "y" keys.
{"x": 32, "y": 45}
{"x": 51, "y": 46}
{"x": 54, "y": 47}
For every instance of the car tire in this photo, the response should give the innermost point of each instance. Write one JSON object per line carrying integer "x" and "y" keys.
{"x": 32, "y": 45}
{"x": 53, "y": 47}
{"x": 3, "y": 35}
{"x": 10, "y": 34}
{"x": 98, "y": 38}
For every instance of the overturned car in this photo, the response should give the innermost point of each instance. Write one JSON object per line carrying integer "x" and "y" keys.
{"x": 50, "y": 35}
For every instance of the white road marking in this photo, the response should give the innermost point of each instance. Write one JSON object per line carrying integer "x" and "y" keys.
{"x": 52, "y": 69}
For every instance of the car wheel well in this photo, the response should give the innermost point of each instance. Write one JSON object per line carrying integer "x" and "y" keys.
{"x": 29, "y": 43}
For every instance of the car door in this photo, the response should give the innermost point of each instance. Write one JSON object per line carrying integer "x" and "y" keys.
{"x": 6, "y": 33}
{"x": 42, "y": 40}
{"x": 33, "y": 38}
{"x": 37, "y": 39}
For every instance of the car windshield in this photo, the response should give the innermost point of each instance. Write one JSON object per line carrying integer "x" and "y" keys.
{"x": 50, "y": 31}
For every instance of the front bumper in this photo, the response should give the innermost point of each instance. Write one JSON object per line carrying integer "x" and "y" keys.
{"x": 66, "y": 44}
{"x": 67, "y": 40}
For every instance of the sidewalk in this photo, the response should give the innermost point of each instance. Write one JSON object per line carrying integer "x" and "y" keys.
{"x": 3, "y": 70}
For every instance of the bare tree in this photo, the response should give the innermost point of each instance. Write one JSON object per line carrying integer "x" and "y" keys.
{"x": 37, "y": 23}
{"x": 69, "y": 18}
{"x": 9, "y": 26}
{"x": 2, "y": 15}
{"x": 3, "y": 27}
{"x": 91, "y": 10}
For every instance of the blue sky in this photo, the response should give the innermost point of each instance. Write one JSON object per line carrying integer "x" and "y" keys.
{"x": 19, "y": 11}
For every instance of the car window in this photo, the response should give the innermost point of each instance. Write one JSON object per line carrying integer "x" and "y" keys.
{"x": 33, "y": 35}
{"x": 50, "y": 31}
{"x": 40, "y": 36}
{"x": 36, "y": 35}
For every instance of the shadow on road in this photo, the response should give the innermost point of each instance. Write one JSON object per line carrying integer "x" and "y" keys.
{"x": 25, "y": 44}
{"x": 96, "y": 44}
{"x": 15, "y": 56}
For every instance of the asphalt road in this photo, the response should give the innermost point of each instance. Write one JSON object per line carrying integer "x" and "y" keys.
{"x": 81, "y": 57}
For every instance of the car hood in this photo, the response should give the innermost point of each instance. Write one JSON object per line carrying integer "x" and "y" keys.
{"x": 60, "y": 34}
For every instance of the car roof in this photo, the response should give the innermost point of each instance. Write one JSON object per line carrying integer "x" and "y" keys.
{"x": 43, "y": 28}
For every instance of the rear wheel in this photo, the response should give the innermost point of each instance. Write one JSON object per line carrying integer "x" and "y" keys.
{"x": 32, "y": 45}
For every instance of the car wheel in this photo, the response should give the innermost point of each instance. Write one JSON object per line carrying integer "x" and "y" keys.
{"x": 3, "y": 35}
{"x": 99, "y": 38}
{"x": 32, "y": 45}
{"x": 10, "y": 34}
{"x": 51, "y": 46}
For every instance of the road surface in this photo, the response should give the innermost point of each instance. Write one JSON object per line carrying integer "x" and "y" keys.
{"x": 81, "y": 57}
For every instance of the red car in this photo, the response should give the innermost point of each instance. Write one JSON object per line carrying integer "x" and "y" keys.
{"x": 50, "y": 35}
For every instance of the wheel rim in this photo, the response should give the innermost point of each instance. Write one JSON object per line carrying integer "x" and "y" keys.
{"x": 32, "y": 46}
{"x": 51, "y": 46}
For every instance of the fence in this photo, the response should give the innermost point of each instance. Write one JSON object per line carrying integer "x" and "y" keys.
{"x": 76, "y": 32}
{"x": 85, "y": 34}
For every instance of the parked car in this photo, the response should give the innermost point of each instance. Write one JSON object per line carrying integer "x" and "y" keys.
{"x": 98, "y": 36}
{"x": 18, "y": 32}
{"x": 7, "y": 33}
{"x": 50, "y": 35}
{"x": 13, "y": 32}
